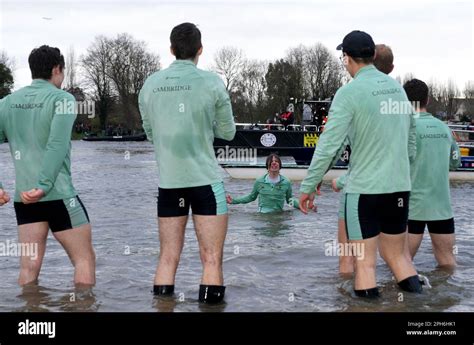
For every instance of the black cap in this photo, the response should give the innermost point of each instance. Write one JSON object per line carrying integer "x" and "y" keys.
{"x": 357, "y": 44}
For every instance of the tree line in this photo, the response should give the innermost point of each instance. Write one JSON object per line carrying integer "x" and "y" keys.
{"x": 113, "y": 70}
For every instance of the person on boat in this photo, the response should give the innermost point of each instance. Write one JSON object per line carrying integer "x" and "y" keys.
{"x": 430, "y": 202}
{"x": 307, "y": 114}
{"x": 38, "y": 121}
{"x": 376, "y": 198}
{"x": 384, "y": 63}
{"x": 271, "y": 189}
{"x": 183, "y": 109}
{"x": 287, "y": 118}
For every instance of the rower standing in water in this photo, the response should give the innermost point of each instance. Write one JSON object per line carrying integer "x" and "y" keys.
{"x": 430, "y": 202}
{"x": 183, "y": 110}
{"x": 378, "y": 182}
{"x": 272, "y": 189}
{"x": 37, "y": 120}
{"x": 384, "y": 63}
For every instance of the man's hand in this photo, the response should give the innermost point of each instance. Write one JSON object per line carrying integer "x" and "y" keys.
{"x": 307, "y": 202}
{"x": 4, "y": 197}
{"x": 229, "y": 199}
{"x": 318, "y": 188}
{"x": 334, "y": 186}
{"x": 32, "y": 196}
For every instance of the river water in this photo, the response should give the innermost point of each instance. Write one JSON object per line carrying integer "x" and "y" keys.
{"x": 272, "y": 262}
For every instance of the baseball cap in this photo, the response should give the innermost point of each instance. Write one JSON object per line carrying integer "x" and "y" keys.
{"x": 357, "y": 44}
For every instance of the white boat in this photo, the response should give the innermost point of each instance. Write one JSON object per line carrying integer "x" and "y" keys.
{"x": 298, "y": 172}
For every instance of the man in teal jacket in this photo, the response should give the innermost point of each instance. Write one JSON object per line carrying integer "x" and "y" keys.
{"x": 272, "y": 189}
{"x": 430, "y": 199}
{"x": 384, "y": 63}
{"x": 373, "y": 112}
{"x": 37, "y": 120}
{"x": 183, "y": 109}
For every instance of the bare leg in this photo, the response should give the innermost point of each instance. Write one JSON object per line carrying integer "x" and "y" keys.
{"x": 346, "y": 263}
{"x": 77, "y": 243}
{"x": 211, "y": 232}
{"x": 33, "y": 235}
{"x": 414, "y": 242}
{"x": 392, "y": 250}
{"x": 171, "y": 232}
{"x": 443, "y": 248}
{"x": 365, "y": 264}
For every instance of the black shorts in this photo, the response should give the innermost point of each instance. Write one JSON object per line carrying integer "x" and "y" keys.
{"x": 61, "y": 215}
{"x": 206, "y": 200}
{"x": 417, "y": 227}
{"x": 367, "y": 215}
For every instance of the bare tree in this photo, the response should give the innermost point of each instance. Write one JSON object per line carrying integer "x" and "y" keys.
{"x": 452, "y": 92}
{"x": 94, "y": 66}
{"x": 228, "y": 63}
{"x": 7, "y": 61}
{"x": 321, "y": 72}
{"x": 406, "y": 77}
{"x": 442, "y": 97}
{"x": 469, "y": 89}
{"x": 297, "y": 58}
{"x": 128, "y": 66}
{"x": 250, "y": 90}
{"x": 71, "y": 66}
{"x": 7, "y": 69}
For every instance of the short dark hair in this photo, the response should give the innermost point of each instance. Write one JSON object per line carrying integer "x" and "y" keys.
{"x": 185, "y": 41}
{"x": 417, "y": 91}
{"x": 270, "y": 159}
{"x": 365, "y": 60}
{"x": 42, "y": 60}
{"x": 383, "y": 58}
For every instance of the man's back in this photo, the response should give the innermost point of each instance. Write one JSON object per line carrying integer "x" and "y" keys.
{"x": 183, "y": 109}
{"x": 379, "y": 133}
{"x": 437, "y": 152}
{"x": 27, "y": 119}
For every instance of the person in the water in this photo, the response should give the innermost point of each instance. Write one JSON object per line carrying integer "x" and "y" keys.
{"x": 37, "y": 120}
{"x": 378, "y": 182}
{"x": 430, "y": 200}
{"x": 183, "y": 109}
{"x": 384, "y": 63}
{"x": 272, "y": 189}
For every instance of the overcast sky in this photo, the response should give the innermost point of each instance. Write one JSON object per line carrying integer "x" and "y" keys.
{"x": 432, "y": 39}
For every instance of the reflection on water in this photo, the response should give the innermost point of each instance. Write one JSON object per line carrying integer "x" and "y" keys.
{"x": 272, "y": 262}
{"x": 272, "y": 224}
{"x": 165, "y": 304}
{"x": 38, "y": 298}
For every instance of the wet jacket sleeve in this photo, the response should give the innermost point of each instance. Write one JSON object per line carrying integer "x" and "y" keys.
{"x": 224, "y": 126}
{"x": 145, "y": 117}
{"x": 341, "y": 181}
{"x": 455, "y": 156}
{"x": 58, "y": 145}
{"x": 248, "y": 198}
{"x": 412, "y": 139}
{"x": 329, "y": 144}
{"x": 290, "y": 199}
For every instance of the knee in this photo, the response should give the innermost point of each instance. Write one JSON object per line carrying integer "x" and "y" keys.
{"x": 87, "y": 259}
{"x": 365, "y": 265}
{"x": 169, "y": 259}
{"x": 210, "y": 258}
